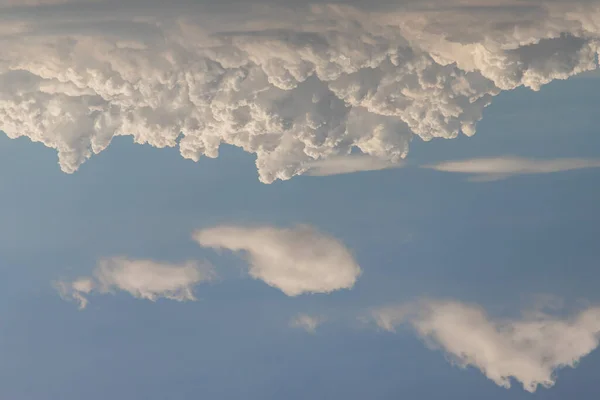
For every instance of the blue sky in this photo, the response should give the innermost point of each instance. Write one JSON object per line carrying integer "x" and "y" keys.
{"x": 513, "y": 247}
{"x": 414, "y": 232}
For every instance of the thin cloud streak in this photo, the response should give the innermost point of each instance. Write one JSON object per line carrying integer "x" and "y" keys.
{"x": 497, "y": 168}
{"x": 348, "y": 164}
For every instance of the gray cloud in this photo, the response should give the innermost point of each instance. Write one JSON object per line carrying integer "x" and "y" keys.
{"x": 295, "y": 260}
{"x": 530, "y": 349}
{"x": 73, "y": 75}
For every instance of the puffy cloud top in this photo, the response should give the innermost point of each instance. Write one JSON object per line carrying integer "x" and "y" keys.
{"x": 295, "y": 260}
{"x": 292, "y": 85}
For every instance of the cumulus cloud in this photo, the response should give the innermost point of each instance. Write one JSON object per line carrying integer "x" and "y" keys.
{"x": 490, "y": 169}
{"x": 530, "y": 349}
{"x": 143, "y": 279}
{"x": 307, "y": 322}
{"x": 367, "y": 77}
{"x": 295, "y": 260}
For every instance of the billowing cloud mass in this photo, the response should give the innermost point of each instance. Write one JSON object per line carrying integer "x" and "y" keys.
{"x": 529, "y": 349}
{"x": 296, "y": 86}
{"x": 490, "y": 169}
{"x": 295, "y": 260}
{"x": 309, "y": 323}
{"x": 144, "y": 279}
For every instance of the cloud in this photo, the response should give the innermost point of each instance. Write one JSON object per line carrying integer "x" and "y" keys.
{"x": 530, "y": 349}
{"x": 496, "y": 168}
{"x": 76, "y": 290}
{"x": 389, "y": 317}
{"x": 347, "y": 164}
{"x": 143, "y": 279}
{"x": 306, "y": 322}
{"x": 195, "y": 75}
{"x": 295, "y": 260}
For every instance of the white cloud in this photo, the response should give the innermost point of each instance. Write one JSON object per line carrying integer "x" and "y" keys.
{"x": 309, "y": 323}
{"x": 295, "y": 260}
{"x": 197, "y": 75}
{"x": 76, "y": 290}
{"x": 348, "y": 164}
{"x": 391, "y": 316}
{"x": 530, "y": 349}
{"x": 489, "y": 169}
{"x": 143, "y": 279}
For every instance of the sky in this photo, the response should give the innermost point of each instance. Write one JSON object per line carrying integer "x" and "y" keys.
{"x": 299, "y": 200}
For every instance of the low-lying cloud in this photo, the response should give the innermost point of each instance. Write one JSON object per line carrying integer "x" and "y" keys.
{"x": 295, "y": 260}
{"x": 143, "y": 279}
{"x": 530, "y": 349}
{"x": 496, "y": 168}
{"x": 365, "y": 78}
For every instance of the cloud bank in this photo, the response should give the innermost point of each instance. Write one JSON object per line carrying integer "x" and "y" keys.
{"x": 491, "y": 169}
{"x": 294, "y": 85}
{"x": 295, "y": 260}
{"x": 143, "y": 279}
{"x": 530, "y": 349}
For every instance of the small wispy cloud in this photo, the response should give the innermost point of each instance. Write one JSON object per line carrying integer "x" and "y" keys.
{"x": 530, "y": 349}
{"x": 76, "y": 290}
{"x": 348, "y": 164}
{"x": 497, "y": 168}
{"x": 143, "y": 279}
{"x": 307, "y": 322}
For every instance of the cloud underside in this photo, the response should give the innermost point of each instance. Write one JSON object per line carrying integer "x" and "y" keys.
{"x": 143, "y": 279}
{"x": 295, "y": 260}
{"x": 297, "y": 95}
{"x": 530, "y": 349}
{"x": 497, "y": 168}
